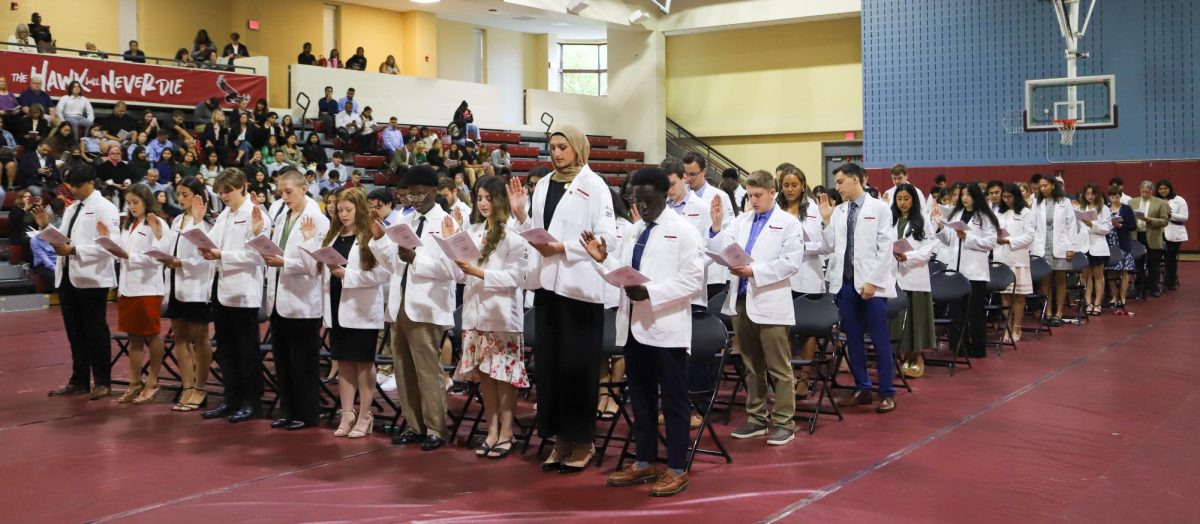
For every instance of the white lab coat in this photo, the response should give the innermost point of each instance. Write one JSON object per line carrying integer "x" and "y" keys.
{"x": 1022, "y": 229}
{"x": 361, "y": 303}
{"x": 495, "y": 303}
{"x": 810, "y": 275}
{"x": 240, "y": 269}
{"x": 1094, "y": 239}
{"x": 874, "y": 233}
{"x": 698, "y": 214}
{"x": 612, "y": 295}
{"x": 913, "y": 273}
{"x": 141, "y": 275}
{"x": 970, "y": 256}
{"x": 886, "y": 196}
{"x": 776, "y": 254}
{"x": 586, "y": 205}
{"x": 91, "y": 266}
{"x": 193, "y": 279}
{"x": 294, "y": 290}
{"x": 429, "y": 293}
{"x": 1066, "y": 232}
{"x": 672, "y": 260}
{"x": 717, "y": 273}
{"x": 1178, "y": 213}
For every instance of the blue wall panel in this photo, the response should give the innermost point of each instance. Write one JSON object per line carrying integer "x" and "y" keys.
{"x": 940, "y": 77}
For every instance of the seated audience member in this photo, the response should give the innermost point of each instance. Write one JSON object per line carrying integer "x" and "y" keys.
{"x": 389, "y": 67}
{"x": 90, "y": 50}
{"x": 165, "y": 165}
{"x": 314, "y": 152}
{"x": 403, "y": 159}
{"x": 62, "y": 140}
{"x": 118, "y": 122}
{"x": 133, "y": 54}
{"x": 336, "y": 165}
{"x": 332, "y": 182}
{"x": 21, "y": 41}
{"x": 35, "y": 95}
{"x": 348, "y": 124}
{"x": 8, "y": 156}
{"x": 9, "y": 106}
{"x": 188, "y": 165}
{"x": 32, "y": 128}
{"x": 334, "y": 60}
{"x": 203, "y": 113}
{"x": 216, "y": 135}
{"x": 183, "y": 58}
{"x": 355, "y": 179}
{"x": 211, "y": 167}
{"x": 291, "y": 152}
{"x": 367, "y": 136}
{"x": 89, "y": 145}
{"x": 500, "y": 158}
{"x": 327, "y": 109}
{"x": 420, "y": 154}
{"x": 358, "y": 62}
{"x": 277, "y": 163}
{"x": 261, "y": 111}
{"x": 268, "y": 150}
{"x": 235, "y": 48}
{"x": 393, "y": 137}
{"x": 161, "y": 143}
{"x": 286, "y": 127}
{"x": 38, "y": 172}
{"x": 168, "y": 208}
{"x": 176, "y": 128}
{"x": 349, "y": 99}
{"x": 20, "y": 219}
{"x": 148, "y": 124}
{"x": 269, "y": 128}
{"x": 306, "y": 57}
{"x": 139, "y": 164}
{"x": 41, "y": 34}
{"x": 242, "y": 136}
{"x": 202, "y": 45}
{"x": 44, "y": 257}
{"x": 464, "y": 119}
{"x": 255, "y": 165}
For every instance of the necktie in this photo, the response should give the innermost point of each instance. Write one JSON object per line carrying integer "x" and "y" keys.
{"x": 71, "y": 227}
{"x": 848, "y": 259}
{"x": 640, "y": 246}
{"x": 760, "y": 221}
{"x": 287, "y": 229}
{"x": 404, "y": 279}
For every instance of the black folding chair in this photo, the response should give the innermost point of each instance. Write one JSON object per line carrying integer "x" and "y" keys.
{"x": 1076, "y": 289}
{"x": 816, "y": 317}
{"x": 615, "y": 387}
{"x": 950, "y": 290}
{"x": 1039, "y": 270}
{"x": 936, "y": 266}
{"x": 735, "y": 371}
{"x": 1138, "y": 250}
{"x": 1000, "y": 279}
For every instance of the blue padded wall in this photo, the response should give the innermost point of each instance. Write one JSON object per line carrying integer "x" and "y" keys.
{"x": 939, "y": 77}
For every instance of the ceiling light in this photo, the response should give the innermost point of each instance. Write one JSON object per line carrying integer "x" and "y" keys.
{"x": 424, "y": 1}
{"x": 577, "y": 6}
{"x": 638, "y": 17}
{"x": 559, "y": 24}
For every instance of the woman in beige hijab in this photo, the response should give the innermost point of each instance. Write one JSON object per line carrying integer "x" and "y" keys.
{"x": 568, "y": 297}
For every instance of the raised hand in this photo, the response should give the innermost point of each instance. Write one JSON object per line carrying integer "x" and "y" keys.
{"x": 717, "y": 213}
{"x": 377, "y": 229}
{"x": 308, "y": 228}
{"x": 41, "y": 216}
{"x": 458, "y": 216}
{"x": 256, "y": 220}
{"x": 518, "y": 198}
{"x": 594, "y": 245}
{"x": 635, "y": 214}
{"x": 198, "y": 208}
{"x": 825, "y": 207}
{"x": 936, "y": 214}
{"x": 101, "y": 228}
{"x": 156, "y": 224}
{"x": 447, "y": 227}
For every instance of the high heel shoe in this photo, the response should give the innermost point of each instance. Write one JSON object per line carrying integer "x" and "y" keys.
{"x": 147, "y": 395}
{"x": 364, "y": 426}
{"x": 346, "y": 425}
{"x": 131, "y": 394}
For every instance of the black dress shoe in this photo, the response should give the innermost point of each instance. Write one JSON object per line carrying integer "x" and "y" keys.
{"x": 432, "y": 442}
{"x": 243, "y": 414}
{"x": 409, "y": 436}
{"x": 280, "y": 423}
{"x": 218, "y": 412}
{"x": 299, "y": 424}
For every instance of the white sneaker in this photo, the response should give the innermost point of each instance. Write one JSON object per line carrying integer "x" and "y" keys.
{"x": 388, "y": 385}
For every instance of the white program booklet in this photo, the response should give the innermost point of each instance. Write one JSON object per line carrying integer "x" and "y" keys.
{"x": 1086, "y": 216}
{"x": 625, "y": 277}
{"x": 460, "y": 247}
{"x": 53, "y": 236}
{"x": 159, "y": 255}
{"x": 199, "y": 238}
{"x": 265, "y": 247}
{"x": 538, "y": 235}
{"x": 901, "y": 246}
{"x": 732, "y": 256}
{"x": 109, "y": 245}
{"x": 403, "y": 236}
{"x": 957, "y": 225}
{"x": 326, "y": 255}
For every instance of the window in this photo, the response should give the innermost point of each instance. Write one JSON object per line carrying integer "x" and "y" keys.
{"x": 583, "y": 68}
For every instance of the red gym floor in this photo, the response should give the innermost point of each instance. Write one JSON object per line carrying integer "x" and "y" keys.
{"x": 1094, "y": 424}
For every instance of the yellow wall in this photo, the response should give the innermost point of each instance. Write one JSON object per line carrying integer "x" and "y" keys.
{"x": 164, "y": 26}
{"x": 72, "y": 22}
{"x": 771, "y": 94}
{"x": 455, "y": 42}
{"x": 377, "y": 31}
{"x": 420, "y": 44}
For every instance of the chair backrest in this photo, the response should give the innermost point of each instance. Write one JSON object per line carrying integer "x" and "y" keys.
{"x": 936, "y": 266}
{"x": 1138, "y": 249}
{"x": 815, "y": 315}
{"x": 714, "y": 308}
{"x": 1039, "y": 269}
{"x": 1079, "y": 262}
{"x": 949, "y": 286}
{"x": 608, "y": 341}
{"x": 529, "y": 327}
{"x": 1115, "y": 253}
{"x": 1001, "y": 277}
{"x": 897, "y": 305}
{"x": 709, "y": 338}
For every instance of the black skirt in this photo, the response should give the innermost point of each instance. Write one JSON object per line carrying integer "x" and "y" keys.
{"x": 353, "y": 345}
{"x": 195, "y": 312}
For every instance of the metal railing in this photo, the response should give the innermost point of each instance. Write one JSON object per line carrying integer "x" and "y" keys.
{"x": 105, "y": 55}
{"x": 681, "y": 141}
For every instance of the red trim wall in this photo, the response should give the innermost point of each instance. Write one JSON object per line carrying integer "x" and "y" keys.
{"x": 1183, "y": 174}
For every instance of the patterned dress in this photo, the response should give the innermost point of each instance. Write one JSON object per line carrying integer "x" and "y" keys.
{"x": 499, "y": 355}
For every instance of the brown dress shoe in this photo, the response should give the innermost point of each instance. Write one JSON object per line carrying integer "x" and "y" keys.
{"x": 100, "y": 392}
{"x": 669, "y": 484}
{"x": 631, "y": 475}
{"x": 886, "y": 404}
{"x": 859, "y": 398}
{"x": 67, "y": 390}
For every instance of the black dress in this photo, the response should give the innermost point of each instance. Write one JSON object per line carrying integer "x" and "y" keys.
{"x": 194, "y": 312}
{"x": 349, "y": 344}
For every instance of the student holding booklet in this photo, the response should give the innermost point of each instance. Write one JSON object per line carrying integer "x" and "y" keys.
{"x": 140, "y": 290}
{"x": 294, "y": 296}
{"x": 353, "y": 297}
{"x": 912, "y": 251}
{"x": 1019, "y": 222}
{"x": 238, "y": 296}
{"x": 654, "y": 325}
{"x": 189, "y": 282}
{"x": 760, "y": 302}
{"x": 1095, "y": 221}
{"x": 493, "y": 311}
{"x": 970, "y": 232}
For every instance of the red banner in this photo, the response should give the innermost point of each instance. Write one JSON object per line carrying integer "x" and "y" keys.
{"x": 110, "y": 80}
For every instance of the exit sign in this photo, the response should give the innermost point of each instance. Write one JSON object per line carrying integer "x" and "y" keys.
{"x": 252, "y": 24}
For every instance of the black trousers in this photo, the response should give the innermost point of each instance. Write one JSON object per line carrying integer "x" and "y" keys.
{"x": 1149, "y": 269}
{"x": 238, "y": 354}
{"x": 713, "y": 289}
{"x": 296, "y": 344}
{"x": 1171, "y": 263}
{"x": 975, "y": 344}
{"x": 649, "y": 371}
{"x": 567, "y": 357}
{"x": 84, "y": 314}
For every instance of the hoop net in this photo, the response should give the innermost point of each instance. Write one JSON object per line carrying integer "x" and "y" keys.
{"x": 1066, "y": 130}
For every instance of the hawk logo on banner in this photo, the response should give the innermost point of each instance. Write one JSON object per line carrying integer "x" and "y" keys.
{"x": 231, "y": 95}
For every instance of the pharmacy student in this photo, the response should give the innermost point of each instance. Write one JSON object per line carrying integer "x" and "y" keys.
{"x": 760, "y": 302}
{"x": 237, "y": 298}
{"x": 294, "y": 302}
{"x": 859, "y": 234}
{"x": 189, "y": 289}
{"x": 353, "y": 308}
{"x": 1093, "y": 240}
{"x": 968, "y": 254}
{"x": 794, "y": 198}
{"x": 493, "y": 312}
{"x": 1019, "y": 223}
{"x": 420, "y": 305}
{"x": 914, "y": 330}
{"x": 568, "y": 298}
{"x": 140, "y": 290}
{"x": 654, "y": 326}
{"x": 83, "y": 275}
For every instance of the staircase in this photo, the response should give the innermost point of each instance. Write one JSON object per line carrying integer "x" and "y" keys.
{"x": 680, "y": 141}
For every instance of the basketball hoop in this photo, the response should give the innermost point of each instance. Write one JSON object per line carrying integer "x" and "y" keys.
{"x": 1066, "y": 130}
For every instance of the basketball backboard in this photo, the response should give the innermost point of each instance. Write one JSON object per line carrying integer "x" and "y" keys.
{"x": 1091, "y": 101}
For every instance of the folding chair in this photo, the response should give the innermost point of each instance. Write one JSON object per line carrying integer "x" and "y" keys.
{"x": 1001, "y": 278}
{"x": 1039, "y": 270}
{"x": 615, "y": 387}
{"x": 816, "y": 317}
{"x": 936, "y": 266}
{"x": 950, "y": 290}
{"x": 1076, "y": 289}
{"x": 1138, "y": 250}
{"x": 734, "y": 371}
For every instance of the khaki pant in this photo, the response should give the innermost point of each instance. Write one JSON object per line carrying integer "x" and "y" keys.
{"x": 416, "y": 348}
{"x": 766, "y": 352}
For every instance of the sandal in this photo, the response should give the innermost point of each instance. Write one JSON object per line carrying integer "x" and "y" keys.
{"x": 497, "y": 452}
{"x": 194, "y": 405}
{"x": 610, "y": 409}
{"x": 131, "y": 394}
{"x": 147, "y": 395}
{"x": 483, "y": 448}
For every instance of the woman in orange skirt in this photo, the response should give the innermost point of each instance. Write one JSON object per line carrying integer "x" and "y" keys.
{"x": 140, "y": 290}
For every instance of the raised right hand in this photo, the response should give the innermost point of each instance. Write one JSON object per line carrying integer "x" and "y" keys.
{"x": 717, "y": 213}
{"x": 825, "y": 207}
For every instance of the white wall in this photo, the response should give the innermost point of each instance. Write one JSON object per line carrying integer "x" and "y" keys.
{"x": 637, "y": 91}
{"x": 591, "y": 114}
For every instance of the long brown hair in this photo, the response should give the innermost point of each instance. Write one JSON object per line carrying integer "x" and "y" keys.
{"x": 362, "y": 225}
{"x": 141, "y": 191}
{"x": 497, "y": 192}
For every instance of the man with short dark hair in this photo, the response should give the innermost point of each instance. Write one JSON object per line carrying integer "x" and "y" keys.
{"x": 993, "y": 192}
{"x": 235, "y": 48}
{"x": 694, "y": 169}
{"x": 37, "y": 172}
{"x": 82, "y": 277}
{"x": 900, "y": 176}
{"x": 1120, "y": 183}
{"x": 358, "y": 62}
{"x": 306, "y": 57}
{"x": 133, "y": 54}
{"x": 116, "y": 122}
{"x": 348, "y": 99}
{"x": 381, "y": 202}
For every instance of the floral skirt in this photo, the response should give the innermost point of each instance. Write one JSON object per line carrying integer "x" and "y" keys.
{"x": 498, "y": 355}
